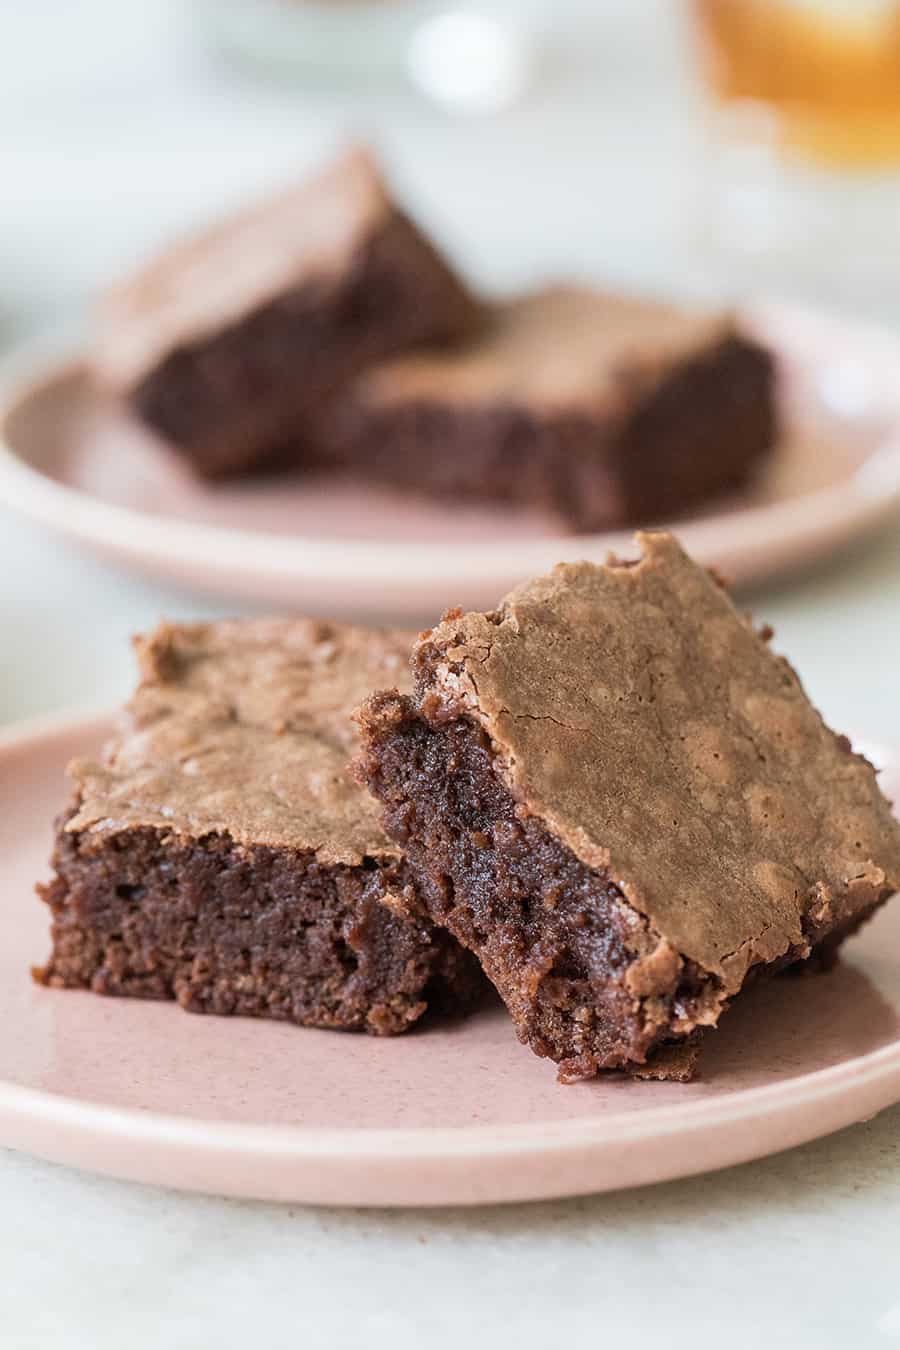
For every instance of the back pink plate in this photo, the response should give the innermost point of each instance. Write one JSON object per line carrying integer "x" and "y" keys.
{"x": 455, "y": 1115}
{"x": 74, "y": 462}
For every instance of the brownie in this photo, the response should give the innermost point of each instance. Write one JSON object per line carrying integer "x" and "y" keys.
{"x": 224, "y": 341}
{"x": 221, "y": 855}
{"x": 622, "y": 801}
{"x": 602, "y": 409}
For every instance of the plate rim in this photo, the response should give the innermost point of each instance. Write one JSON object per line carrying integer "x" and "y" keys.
{"x": 855, "y": 1090}
{"x": 825, "y": 517}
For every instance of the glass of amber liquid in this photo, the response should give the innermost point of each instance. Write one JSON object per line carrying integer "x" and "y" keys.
{"x": 804, "y": 97}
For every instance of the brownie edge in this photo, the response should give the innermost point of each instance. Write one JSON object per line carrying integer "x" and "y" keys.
{"x": 255, "y": 932}
{"x": 587, "y": 981}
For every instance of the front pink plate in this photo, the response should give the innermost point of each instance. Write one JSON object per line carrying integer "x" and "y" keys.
{"x": 457, "y": 1114}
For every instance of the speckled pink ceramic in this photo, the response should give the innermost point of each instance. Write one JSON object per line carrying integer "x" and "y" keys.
{"x": 457, "y": 1114}
{"x": 78, "y": 465}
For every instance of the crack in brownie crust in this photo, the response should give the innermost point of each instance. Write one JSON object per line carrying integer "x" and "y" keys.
{"x": 623, "y": 802}
{"x": 220, "y": 854}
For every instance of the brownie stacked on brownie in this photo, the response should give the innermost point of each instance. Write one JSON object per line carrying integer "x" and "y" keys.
{"x": 220, "y": 854}
{"x": 602, "y": 409}
{"x": 622, "y": 801}
{"x": 226, "y": 341}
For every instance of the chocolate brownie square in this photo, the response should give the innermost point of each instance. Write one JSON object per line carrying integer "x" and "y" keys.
{"x": 623, "y": 802}
{"x": 224, "y": 341}
{"x": 219, "y": 853}
{"x": 602, "y": 409}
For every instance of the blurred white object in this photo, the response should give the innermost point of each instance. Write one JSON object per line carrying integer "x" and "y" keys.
{"x": 469, "y": 62}
{"x": 465, "y": 59}
{"x": 358, "y": 39}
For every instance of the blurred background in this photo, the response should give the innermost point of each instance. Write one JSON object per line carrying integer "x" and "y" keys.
{"x": 707, "y": 147}
{"x": 124, "y": 122}
{"x": 697, "y": 148}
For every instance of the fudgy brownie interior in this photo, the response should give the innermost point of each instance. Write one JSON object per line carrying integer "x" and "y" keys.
{"x": 556, "y": 938}
{"x": 263, "y": 932}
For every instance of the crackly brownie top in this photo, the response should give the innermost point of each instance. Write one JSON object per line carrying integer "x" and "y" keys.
{"x": 560, "y": 346}
{"x": 212, "y": 279}
{"x": 647, "y": 723}
{"x": 244, "y": 727}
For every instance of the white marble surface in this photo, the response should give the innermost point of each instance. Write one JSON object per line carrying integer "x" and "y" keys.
{"x": 108, "y": 141}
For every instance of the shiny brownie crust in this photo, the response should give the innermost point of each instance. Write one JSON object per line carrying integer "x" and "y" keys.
{"x": 588, "y": 981}
{"x": 621, "y": 799}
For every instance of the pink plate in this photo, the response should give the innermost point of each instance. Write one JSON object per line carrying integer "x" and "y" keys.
{"x": 83, "y": 469}
{"x": 457, "y": 1114}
